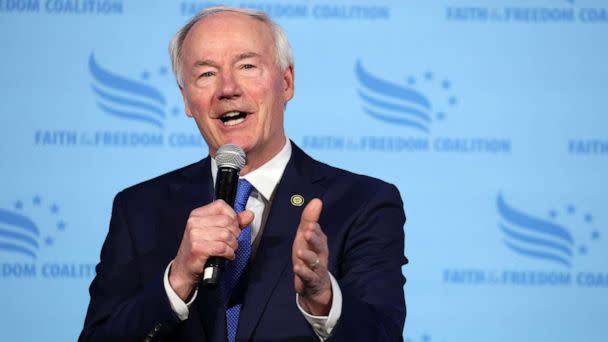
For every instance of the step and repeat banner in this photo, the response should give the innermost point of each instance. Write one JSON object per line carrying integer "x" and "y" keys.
{"x": 490, "y": 116}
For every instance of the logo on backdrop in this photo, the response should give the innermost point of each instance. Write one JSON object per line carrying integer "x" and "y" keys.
{"x": 542, "y": 238}
{"x": 542, "y": 11}
{"x": 63, "y": 7}
{"x": 399, "y": 103}
{"x": 127, "y": 99}
{"x": 302, "y": 9}
{"x": 138, "y": 104}
{"x": 558, "y": 245}
{"x": 29, "y": 231}
{"x": 417, "y": 105}
{"x": 590, "y": 147}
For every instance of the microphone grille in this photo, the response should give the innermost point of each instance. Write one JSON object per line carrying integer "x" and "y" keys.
{"x": 231, "y": 155}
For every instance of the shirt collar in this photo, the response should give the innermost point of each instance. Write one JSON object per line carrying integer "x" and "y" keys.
{"x": 265, "y": 178}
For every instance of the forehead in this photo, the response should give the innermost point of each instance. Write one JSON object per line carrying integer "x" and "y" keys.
{"x": 228, "y": 31}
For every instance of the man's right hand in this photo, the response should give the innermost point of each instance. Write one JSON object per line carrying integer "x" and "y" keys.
{"x": 211, "y": 230}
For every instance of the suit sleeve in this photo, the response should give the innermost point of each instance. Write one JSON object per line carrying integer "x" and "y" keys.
{"x": 370, "y": 275}
{"x": 122, "y": 307}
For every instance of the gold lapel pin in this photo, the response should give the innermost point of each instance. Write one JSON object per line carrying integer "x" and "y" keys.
{"x": 297, "y": 200}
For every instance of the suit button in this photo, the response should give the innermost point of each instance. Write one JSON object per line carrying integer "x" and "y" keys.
{"x": 157, "y": 327}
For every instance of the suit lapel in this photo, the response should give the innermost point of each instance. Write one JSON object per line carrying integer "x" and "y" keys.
{"x": 274, "y": 252}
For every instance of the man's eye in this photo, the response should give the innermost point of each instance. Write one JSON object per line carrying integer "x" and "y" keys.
{"x": 247, "y": 66}
{"x": 207, "y": 74}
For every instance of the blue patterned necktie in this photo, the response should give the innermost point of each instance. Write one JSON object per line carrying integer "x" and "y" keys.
{"x": 235, "y": 268}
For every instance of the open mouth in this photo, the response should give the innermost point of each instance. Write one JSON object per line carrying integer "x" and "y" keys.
{"x": 233, "y": 118}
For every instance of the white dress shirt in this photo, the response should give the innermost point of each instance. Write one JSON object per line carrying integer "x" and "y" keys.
{"x": 264, "y": 180}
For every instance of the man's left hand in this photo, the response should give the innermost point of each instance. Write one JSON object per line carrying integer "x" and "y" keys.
{"x": 309, "y": 256}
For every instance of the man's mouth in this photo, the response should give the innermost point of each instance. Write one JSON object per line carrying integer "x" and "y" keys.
{"x": 233, "y": 118}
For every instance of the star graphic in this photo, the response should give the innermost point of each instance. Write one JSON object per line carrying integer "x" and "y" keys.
{"x": 426, "y": 338}
{"x": 588, "y": 218}
{"x": 582, "y": 250}
{"x": 162, "y": 70}
{"x": 36, "y": 200}
{"x": 145, "y": 75}
{"x": 18, "y": 205}
{"x": 446, "y": 84}
{"x": 595, "y": 235}
{"x": 553, "y": 213}
{"x": 61, "y": 225}
{"x": 49, "y": 241}
{"x": 411, "y": 80}
{"x": 452, "y": 101}
{"x": 175, "y": 110}
{"x": 428, "y": 75}
{"x": 571, "y": 209}
{"x": 440, "y": 116}
{"x": 54, "y": 209}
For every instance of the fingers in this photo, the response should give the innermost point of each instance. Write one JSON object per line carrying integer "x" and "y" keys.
{"x": 211, "y": 230}
{"x": 208, "y": 249}
{"x": 307, "y": 276}
{"x": 222, "y": 236}
{"x": 312, "y": 211}
{"x": 315, "y": 239}
{"x": 221, "y": 222}
{"x": 245, "y": 218}
{"x": 309, "y": 259}
{"x": 309, "y": 228}
{"x": 217, "y": 207}
{"x": 310, "y": 251}
{"x": 310, "y": 255}
{"x": 305, "y": 268}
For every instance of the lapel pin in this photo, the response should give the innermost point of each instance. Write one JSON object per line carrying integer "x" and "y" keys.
{"x": 297, "y": 200}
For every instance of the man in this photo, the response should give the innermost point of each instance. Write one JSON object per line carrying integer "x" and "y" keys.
{"x": 325, "y": 246}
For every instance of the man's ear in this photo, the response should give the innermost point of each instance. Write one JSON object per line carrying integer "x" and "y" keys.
{"x": 288, "y": 83}
{"x": 186, "y": 104}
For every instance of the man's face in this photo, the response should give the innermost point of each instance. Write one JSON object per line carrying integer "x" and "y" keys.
{"x": 233, "y": 87}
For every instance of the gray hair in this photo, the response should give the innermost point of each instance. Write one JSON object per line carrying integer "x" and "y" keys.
{"x": 284, "y": 56}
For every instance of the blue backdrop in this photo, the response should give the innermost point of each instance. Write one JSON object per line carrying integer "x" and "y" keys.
{"x": 490, "y": 117}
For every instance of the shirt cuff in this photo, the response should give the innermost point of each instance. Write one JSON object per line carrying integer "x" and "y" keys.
{"x": 323, "y": 325}
{"x": 180, "y": 307}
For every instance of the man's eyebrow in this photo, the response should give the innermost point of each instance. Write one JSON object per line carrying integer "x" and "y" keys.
{"x": 204, "y": 62}
{"x": 246, "y": 55}
{"x": 239, "y": 57}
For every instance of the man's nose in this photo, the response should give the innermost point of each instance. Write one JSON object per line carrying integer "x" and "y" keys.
{"x": 229, "y": 87}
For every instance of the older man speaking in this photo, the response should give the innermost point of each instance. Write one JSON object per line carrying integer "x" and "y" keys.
{"x": 311, "y": 252}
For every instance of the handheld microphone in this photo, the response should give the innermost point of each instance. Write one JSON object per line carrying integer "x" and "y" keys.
{"x": 230, "y": 160}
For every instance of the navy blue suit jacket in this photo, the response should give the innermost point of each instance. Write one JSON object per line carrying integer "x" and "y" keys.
{"x": 362, "y": 217}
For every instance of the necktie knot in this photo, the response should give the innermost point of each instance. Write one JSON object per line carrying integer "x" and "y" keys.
{"x": 243, "y": 191}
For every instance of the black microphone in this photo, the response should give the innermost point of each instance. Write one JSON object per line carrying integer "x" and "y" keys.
{"x": 230, "y": 160}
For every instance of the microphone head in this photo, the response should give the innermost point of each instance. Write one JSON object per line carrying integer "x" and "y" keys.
{"x": 232, "y": 156}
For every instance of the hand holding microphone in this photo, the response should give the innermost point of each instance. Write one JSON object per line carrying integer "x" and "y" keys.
{"x": 212, "y": 230}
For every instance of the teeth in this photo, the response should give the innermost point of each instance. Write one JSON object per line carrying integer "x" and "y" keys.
{"x": 234, "y": 122}
{"x": 233, "y": 118}
{"x": 230, "y": 115}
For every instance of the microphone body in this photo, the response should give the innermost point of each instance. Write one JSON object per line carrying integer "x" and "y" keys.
{"x": 230, "y": 159}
